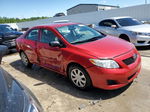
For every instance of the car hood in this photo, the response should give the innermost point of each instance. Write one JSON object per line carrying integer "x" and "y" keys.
{"x": 107, "y": 47}
{"x": 12, "y": 96}
{"x": 15, "y": 32}
{"x": 138, "y": 28}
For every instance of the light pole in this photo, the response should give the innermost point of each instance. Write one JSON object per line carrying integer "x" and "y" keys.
{"x": 145, "y": 1}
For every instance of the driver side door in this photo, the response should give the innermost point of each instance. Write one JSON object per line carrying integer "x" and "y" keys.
{"x": 49, "y": 57}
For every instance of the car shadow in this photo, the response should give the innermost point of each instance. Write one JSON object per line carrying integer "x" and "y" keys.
{"x": 141, "y": 48}
{"x": 144, "y": 51}
{"x": 62, "y": 83}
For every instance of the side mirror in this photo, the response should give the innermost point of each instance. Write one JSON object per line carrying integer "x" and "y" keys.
{"x": 113, "y": 26}
{"x": 55, "y": 44}
{"x": 3, "y": 51}
{"x": 143, "y": 22}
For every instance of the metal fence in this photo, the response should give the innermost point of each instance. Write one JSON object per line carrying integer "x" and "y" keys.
{"x": 141, "y": 12}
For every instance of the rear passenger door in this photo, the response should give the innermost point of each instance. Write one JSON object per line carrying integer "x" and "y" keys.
{"x": 50, "y": 57}
{"x": 29, "y": 45}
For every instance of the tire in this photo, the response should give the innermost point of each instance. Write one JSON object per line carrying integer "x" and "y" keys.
{"x": 25, "y": 60}
{"x": 79, "y": 77}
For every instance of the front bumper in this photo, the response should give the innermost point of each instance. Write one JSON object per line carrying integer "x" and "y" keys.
{"x": 110, "y": 79}
{"x": 142, "y": 41}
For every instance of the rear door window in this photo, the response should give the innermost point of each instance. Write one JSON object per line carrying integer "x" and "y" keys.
{"x": 33, "y": 35}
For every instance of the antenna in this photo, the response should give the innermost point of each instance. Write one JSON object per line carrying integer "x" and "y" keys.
{"x": 145, "y": 1}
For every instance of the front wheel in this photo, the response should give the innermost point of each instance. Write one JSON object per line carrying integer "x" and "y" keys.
{"x": 25, "y": 60}
{"x": 125, "y": 37}
{"x": 79, "y": 77}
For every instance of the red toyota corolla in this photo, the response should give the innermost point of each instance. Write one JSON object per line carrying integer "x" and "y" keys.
{"x": 82, "y": 54}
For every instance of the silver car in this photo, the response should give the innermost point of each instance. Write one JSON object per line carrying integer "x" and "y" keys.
{"x": 126, "y": 28}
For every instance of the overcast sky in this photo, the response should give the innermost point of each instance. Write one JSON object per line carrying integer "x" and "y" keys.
{"x": 34, "y": 8}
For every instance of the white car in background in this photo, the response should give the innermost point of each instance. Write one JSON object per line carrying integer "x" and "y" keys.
{"x": 126, "y": 28}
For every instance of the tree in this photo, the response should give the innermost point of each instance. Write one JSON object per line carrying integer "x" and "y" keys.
{"x": 17, "y": 20}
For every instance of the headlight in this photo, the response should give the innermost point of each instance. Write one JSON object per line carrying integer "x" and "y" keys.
{"x": 140, "y": 33}
{"x": 105, "y": 63}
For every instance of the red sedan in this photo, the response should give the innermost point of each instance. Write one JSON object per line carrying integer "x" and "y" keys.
{"x": 82, "y": 54}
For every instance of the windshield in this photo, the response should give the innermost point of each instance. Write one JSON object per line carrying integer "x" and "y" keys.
{"x": 128, "y": 22}
{"x": 78, "y": 33}
{"x": 5, "y": 28}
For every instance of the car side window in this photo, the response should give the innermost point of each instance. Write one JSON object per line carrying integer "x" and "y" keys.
{"x": 101, "y": 23}
{"x": 47, "y": 36}
{"x": 33, "y": 35}
{"x": 107, "y": 23}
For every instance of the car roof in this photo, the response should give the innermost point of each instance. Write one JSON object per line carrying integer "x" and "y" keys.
{"x": 54, "y": 25}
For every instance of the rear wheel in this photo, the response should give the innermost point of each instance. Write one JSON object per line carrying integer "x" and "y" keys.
{"x": 79, "y": 77}
{"x": 25, "y": 60}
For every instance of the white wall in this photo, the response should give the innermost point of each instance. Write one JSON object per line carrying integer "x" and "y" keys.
{"x": 141, "y": 12}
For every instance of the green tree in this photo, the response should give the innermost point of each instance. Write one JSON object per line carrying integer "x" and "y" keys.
{"x": 17, "y": 20}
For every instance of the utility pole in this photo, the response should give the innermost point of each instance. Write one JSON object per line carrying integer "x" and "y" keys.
{"x": 145, "y": 1}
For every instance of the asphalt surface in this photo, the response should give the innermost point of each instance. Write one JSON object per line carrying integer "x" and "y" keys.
{"x": 56, "y": 94}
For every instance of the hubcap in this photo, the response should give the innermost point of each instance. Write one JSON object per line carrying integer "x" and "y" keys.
{"x": 24, "y": 59}
{"x": 78, "y": 78}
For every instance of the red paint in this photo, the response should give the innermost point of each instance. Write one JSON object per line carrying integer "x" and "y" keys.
{"x": 57, "y": 59}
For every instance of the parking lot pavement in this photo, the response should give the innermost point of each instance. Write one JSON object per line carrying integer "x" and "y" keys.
{"x": 57, "y": 95}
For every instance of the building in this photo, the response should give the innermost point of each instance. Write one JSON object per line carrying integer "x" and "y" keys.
{"x": 83, "y": 8}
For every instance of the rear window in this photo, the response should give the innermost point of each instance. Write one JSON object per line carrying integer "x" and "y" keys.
{"x": 5, "y": 28}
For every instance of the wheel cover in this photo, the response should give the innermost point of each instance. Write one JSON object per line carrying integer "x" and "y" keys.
{"x": 78, "y": 78}
{"x": 24, "y": 59}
